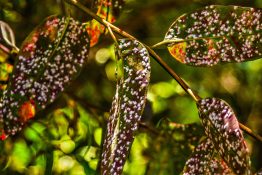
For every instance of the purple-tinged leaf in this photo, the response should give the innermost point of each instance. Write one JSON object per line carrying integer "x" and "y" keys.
{"x": 50, "y": 57}
{"x": 222, "y": 128}
{"x": 203, "y": 161}
{"x": 127, "y": 106}
{"x": 216, "y": 34}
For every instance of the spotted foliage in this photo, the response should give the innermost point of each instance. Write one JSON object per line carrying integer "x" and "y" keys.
{"x": 108, "y": 10}
{"x": 49, "y": 59}
{"x": 127, "y": 106}
{"x": 217, "y": 34}
{"x": 202, "y": 161}
{"x": 222, "y": 127}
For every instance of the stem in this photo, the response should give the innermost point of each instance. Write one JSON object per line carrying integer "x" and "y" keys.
{"x": 178, "y": 40}
{"x": 180, "y": 81}
{"x": 112, "y": 36}
{"x": 250, "y": 132}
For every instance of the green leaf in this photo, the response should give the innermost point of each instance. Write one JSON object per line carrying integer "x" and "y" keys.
{"x": 202, "y": 161}
{"x": 127, "y": 106}
{"x": 222, "y": 128}
{"x": 216, "y": 34}
{"x": 50, "y": 57}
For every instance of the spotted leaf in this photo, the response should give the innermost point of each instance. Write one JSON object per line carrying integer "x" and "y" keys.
{"x": 222, "y": 127}
{"x": 127, "y": 106}
{"x": 50, "y": 57}
{"x": 216, "y": 34}
{"x": 203, "y": 161}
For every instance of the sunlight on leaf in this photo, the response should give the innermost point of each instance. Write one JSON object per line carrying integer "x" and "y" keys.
{"x": 216, "y": 34}
{"x": 50, "y": 57}
{"x": 222, "y": 128}
{"x": 127, "y": 106}
{"x": 108, "y": 10}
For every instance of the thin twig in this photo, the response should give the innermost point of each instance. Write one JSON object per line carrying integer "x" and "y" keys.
{"x": 113, "y": 36}
{"x": 180, "y": 81}
{"x": 250, "y": 132}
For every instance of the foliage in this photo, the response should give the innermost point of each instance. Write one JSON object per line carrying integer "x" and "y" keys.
{"x": 127, "y": 105}
{"x": 216, "y": 34}
{"x": 69, "y": 135}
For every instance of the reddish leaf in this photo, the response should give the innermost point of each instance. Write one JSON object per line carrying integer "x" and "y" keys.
{"x": 221, "y": 126}
{"x": 216, "y": 34}
{"x": 108, "y": 10}
{"x": 48, "y": 60}
{"x": 202, "y": 161}
{"x": 127, "y": 106}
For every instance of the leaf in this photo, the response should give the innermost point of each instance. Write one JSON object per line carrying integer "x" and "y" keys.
{"x": 202, "y": 161}
{"x": 216, "y": 34}
{"x": 108, "y": 10}
{"x": 7, "y": 37}
{"x": 50, "y": 57}
{"x": 127, "y": 106}
{"x": 222, "y": 127}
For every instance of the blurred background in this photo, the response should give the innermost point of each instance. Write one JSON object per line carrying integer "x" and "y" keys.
{"x": 66, "y": 137}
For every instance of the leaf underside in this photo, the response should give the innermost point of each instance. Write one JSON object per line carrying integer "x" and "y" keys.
{"x": 127, "y": 106}
{"x": 217, "y": 34}
{"x": 222, "y": 128}
{"x": 202, "y": 161}
{"x": 50, "y": 57}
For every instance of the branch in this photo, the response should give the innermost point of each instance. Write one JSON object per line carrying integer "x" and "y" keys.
{"x": 250, "y": 132}
{"x": 180, "y": 81}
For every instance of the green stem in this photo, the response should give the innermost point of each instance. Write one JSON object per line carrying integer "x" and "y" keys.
{"x": 180, "y": 81}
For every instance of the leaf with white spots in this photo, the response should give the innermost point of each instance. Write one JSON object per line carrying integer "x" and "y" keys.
{"x": 216, "y": 34}
{"x": 203, "y": 161}
{"x": 127, "y": 106}
{"x": 222, "y": 128}
{"x": 50, "y": 57}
